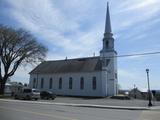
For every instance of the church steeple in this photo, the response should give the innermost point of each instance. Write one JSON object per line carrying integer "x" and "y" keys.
{"x": 108, "y": 21}
{"x": 108, "y": 40}
{"x": 109, "y": 62}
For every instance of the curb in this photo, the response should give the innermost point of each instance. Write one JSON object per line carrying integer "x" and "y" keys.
{"x": 104, "y": 106}
{"x": 81, "y": 105}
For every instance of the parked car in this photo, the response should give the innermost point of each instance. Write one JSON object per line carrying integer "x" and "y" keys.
{"x": 47, "y": 95}
{"x": 27, "y": 94}
{"x": 121, "y": 97}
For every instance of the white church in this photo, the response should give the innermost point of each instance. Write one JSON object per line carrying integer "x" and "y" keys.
{"x": 91, "y": 77}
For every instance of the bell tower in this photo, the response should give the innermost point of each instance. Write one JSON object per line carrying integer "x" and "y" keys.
{"x": 108, "y": 57}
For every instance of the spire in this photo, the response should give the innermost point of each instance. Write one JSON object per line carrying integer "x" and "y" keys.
{"x": 108, "y": 22}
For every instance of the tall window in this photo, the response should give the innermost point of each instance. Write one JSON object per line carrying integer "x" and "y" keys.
{"x": 60, "y": 83}
{"x": 70, "y": 83}
{"x": 42, "y": 82}
{"x": 50, "y": 83}
{"x": 94, "y": 83}
{"x": 116, "y": 75}
{"x": 34, "y": 83}
{"x": 82, "y": 83}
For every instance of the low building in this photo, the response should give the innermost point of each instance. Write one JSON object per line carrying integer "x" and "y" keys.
{"x": 12, "y": 87}
{"x": 136, "y": 93}
{"x": 8, "y": 89}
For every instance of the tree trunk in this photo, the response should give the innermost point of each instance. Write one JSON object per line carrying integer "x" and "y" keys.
{"x": 2, "y": 87}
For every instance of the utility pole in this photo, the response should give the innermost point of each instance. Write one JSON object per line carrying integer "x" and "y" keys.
{"x": 149, "y": 91}
{"x": 135, "y": 91}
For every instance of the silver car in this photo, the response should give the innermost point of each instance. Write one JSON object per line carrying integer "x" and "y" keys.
{"x": 27, "y": 94}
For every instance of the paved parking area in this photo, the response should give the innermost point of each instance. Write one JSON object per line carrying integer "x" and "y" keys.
{"x": 103, "y": 101}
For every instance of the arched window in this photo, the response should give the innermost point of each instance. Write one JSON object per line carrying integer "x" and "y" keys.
{"x": 50, "y": 83}
{"x": 42, "y": 82}
{"x": 107, "y": 44}
{"x": 60, "y": 83}
{"x": 34, "y": 83}
{"x": 94, "y": 83}
{"x": 70, "y": 83}
{"x": 82, "y": 83}
{"x": 116, "y": 75}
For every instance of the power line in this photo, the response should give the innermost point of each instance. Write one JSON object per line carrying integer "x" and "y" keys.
{"x": 129, "y": 55}
{"x": 136, "y": 54}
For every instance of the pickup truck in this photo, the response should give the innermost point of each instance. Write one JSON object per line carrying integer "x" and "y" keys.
{"x": 27, "y": 94}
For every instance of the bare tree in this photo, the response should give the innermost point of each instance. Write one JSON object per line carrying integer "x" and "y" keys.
{"x": 17, "y": 47}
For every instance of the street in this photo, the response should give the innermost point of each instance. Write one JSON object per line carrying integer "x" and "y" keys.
{"x": 30, "y": 111}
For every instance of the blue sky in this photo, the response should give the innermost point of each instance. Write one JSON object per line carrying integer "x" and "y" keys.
{"x": 74, "y": 28}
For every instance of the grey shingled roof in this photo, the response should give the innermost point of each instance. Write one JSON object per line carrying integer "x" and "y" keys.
{"x": 68, "y": 66}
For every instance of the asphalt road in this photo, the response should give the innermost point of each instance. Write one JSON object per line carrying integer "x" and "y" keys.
{"x": 10, "y": 110}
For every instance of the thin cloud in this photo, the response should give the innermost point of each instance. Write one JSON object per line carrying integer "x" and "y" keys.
{"x": 50, "y": 23}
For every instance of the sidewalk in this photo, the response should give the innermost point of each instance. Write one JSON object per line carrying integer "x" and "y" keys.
{"x": 104, "y": 106}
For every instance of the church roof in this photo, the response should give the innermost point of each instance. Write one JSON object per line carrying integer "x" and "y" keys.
{"x": 90, "y": 64}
